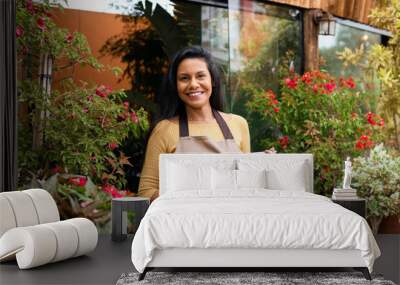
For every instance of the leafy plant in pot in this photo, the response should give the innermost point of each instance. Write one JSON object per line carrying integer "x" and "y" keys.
{"x": 377, "y": 179}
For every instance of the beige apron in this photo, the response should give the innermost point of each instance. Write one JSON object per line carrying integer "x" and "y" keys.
{"x": 203, "y": 144}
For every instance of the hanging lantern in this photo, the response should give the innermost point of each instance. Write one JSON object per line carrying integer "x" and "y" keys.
{"x": 327, "y": 24}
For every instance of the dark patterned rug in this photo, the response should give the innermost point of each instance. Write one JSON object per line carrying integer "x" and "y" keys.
{"x": 242, "y": 278}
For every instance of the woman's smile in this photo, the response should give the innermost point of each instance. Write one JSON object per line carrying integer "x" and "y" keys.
{"x": 193, "y": 82}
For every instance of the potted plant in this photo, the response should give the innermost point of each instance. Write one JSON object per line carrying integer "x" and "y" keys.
{"x": 377, "y": 179}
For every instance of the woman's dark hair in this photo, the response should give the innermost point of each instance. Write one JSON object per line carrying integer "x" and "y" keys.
{"x": 168, "y": 101}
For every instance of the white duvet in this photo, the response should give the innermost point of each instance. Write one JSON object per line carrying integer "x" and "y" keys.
{"x": 252, "y": 218}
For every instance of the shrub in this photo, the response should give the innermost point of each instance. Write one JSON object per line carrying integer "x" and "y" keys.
{"x": 318, "y": 114}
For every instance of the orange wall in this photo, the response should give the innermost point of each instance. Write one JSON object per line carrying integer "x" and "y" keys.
{"x": 98, "y": 28}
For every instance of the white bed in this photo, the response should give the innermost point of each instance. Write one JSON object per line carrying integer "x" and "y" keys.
{"x": 247, "y": 210}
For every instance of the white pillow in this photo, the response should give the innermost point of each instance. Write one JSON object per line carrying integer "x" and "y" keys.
{"x": 280, "y": 174}
{"x": 223, "y": 179}
{"x": 251, "y": 178}
{"x": 182, "y": 177}
{"x": 292, "y": 178}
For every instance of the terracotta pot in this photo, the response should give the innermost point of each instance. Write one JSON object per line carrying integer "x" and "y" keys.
{"x": 390, "y": 225}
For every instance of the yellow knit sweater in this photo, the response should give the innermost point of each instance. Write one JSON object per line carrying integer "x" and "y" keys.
{"x": 165, "y": 137}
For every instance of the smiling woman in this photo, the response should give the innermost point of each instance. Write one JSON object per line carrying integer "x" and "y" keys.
{"x": 194, "y": 85}
{"x": 191, "y": 118}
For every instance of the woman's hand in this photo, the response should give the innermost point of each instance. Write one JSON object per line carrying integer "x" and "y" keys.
{"x": 270, "y": 151}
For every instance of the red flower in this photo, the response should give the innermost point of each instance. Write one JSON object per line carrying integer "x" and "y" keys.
{"x": 350, "y": 83}
{"x": 90, "y": 98}
{"x": 375, "y": 119}
{"x": 19, "y": 31}
{"x": 78, "y": 181}
{"x": 69, "y": 38}
{"x": 126, "y": 105}
{"x": 134, "y": 118}
{"x": 284, "y": 141}
{"x": 291, "y": 83}
{"x": 347, "y": 83}
{"x": 276, "y": 110}
{"x": 111, "y": 189}
{"x": 112, "y": 145}
{"x": 306, "y": 78}
{"x": 330, "y": 87}
{"x": 359, "y": 145}
{"x": 271, "y": 94}
{"x": 274, "y": 102}
{"x": 41, "y": 24}
{"x": 364, "y": 142}
{"x": 103, "y": 91}
{"x": 315, "y": 88}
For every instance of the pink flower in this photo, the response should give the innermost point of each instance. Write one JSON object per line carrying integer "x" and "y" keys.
{"x": 90, "y": 98}
{"x": 19, "y": 31}
{"x": 112, "y": 145}
{"x": 134, "y": 118}
{"x": 41, "y": 24}
{"x": 103, "y": 91}
{"x": 29, "y": 7}
{"x": 85, "y": 110}
{"x": 126, "y": 105}
{"x": 78, "y": 181}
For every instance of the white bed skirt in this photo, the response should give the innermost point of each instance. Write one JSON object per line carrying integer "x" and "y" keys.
{"x": 189, "y": 257}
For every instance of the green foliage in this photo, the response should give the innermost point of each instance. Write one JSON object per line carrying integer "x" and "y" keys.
{"x": 69, "y": 137}
{"x": 384, "y": 63}
{"x": 318, "y": 114}
{"x": 377, "y": 179}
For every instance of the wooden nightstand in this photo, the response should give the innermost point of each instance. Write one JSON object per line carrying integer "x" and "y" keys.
{"x": 357, "y": 205}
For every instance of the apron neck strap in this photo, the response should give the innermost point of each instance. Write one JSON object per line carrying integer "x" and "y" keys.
{"x": 184, "y": 127}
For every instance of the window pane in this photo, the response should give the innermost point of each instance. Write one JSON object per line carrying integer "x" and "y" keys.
{"x": 345, "y": 37}
{"x": 260, "y": 36}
